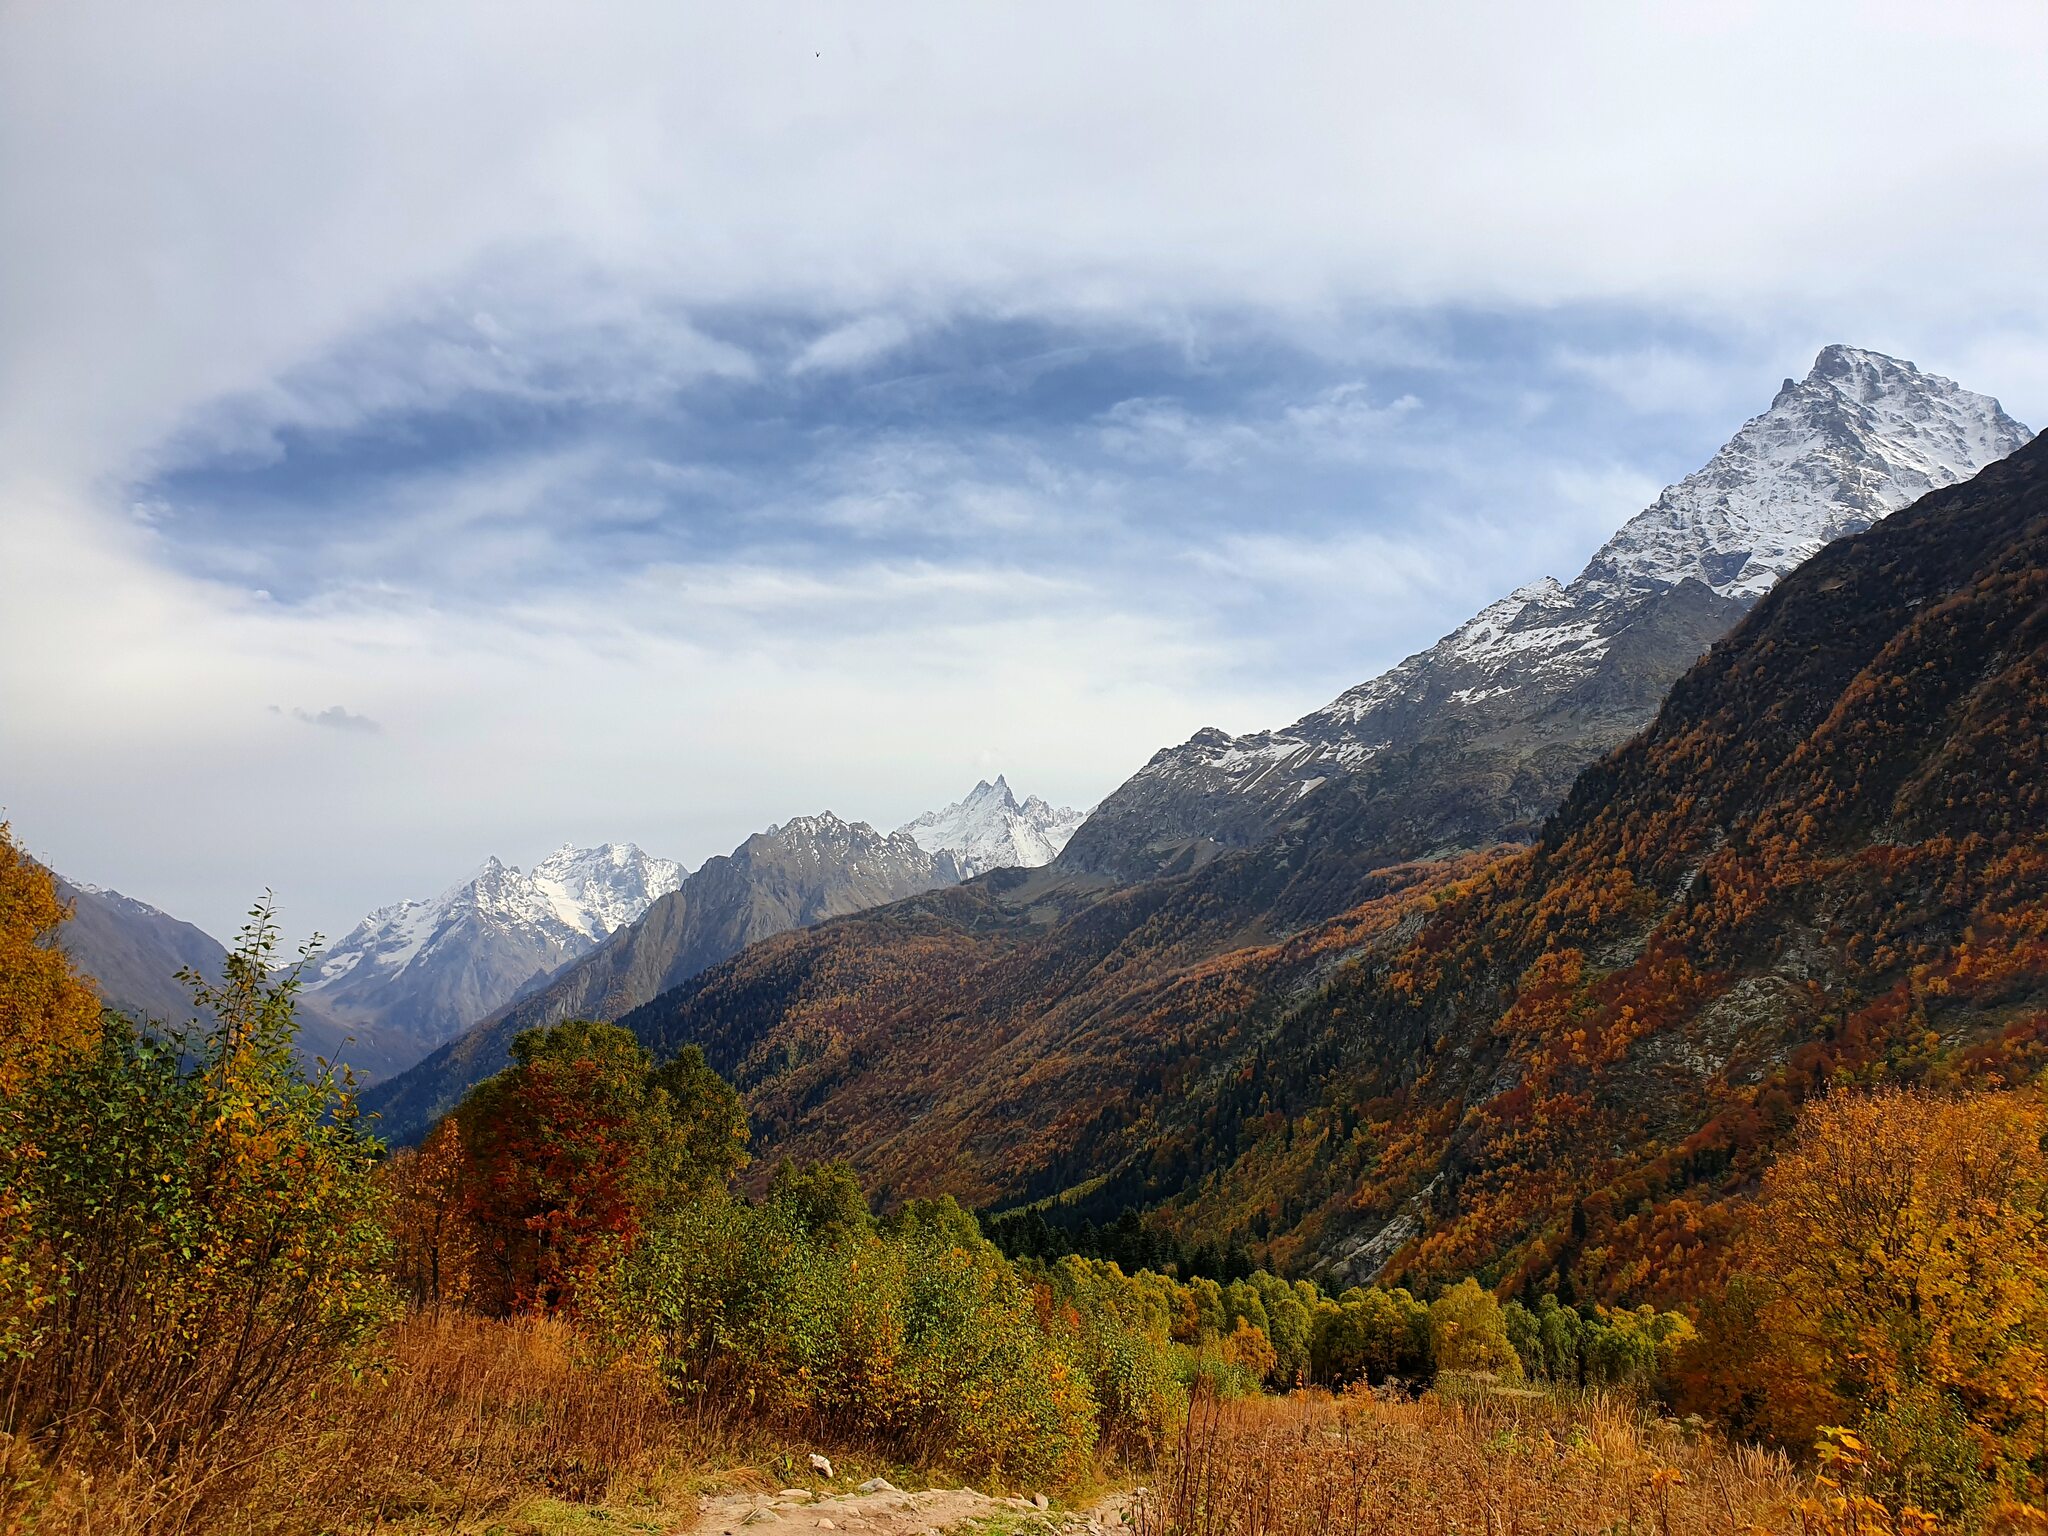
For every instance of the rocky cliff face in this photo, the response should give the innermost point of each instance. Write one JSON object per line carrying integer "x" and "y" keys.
{"x": 1474, "y": 739}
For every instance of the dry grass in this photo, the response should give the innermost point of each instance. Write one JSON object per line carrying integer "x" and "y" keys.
{"x": 475, "y": 1425}
{"x": 1313, "y": 1465}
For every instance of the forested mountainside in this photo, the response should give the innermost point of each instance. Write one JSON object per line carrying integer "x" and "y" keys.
{"x": 1477, "y": 738}
{"x": 1828, "y": 858}
{"x": 806, "y": 869}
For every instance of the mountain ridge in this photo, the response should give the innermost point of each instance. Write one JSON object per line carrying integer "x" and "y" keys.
{"x": 1861, "y": 436}
{"x": 794, "y": 872}
{"x": 1828, "y": 855}
{"x": 847, "y": 1035}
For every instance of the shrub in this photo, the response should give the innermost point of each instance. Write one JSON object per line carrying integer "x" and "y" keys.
{"x": 203, "y": 1224}
{"x": 1122, "y": 1329}
{"x": 910, "y": 1336}
{"x": 1468, "y": 1332}
{"x": 1371, "y": 1335}
{"x": 1922, "y": 1454}
{"x": 1897, "y": 1260}
{"x": 1634, "y": 1350}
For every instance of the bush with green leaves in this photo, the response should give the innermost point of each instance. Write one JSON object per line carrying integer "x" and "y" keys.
{"x": 1122, "y": 1328}
{"x": 917, "y": 1334}
{"x": 202, "y": 1221}
{"x": 575, "y": 1147}
{"x": 1633, "y": 1350}
{"x": 1371, "y": 1335}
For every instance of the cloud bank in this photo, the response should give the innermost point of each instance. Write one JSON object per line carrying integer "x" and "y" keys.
{"x": 663, "y": 420}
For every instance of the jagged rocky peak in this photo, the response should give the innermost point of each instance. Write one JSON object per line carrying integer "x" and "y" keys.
{"x": 991, "y": 829}
{"x": 598, "y": 890}
{"x": 826, "y": 843}
{"x": 1554, "y": 673}
{"x": 1861, "y": 436}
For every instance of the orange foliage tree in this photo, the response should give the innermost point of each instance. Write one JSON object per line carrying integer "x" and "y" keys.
{"x": 1895, "y": 1271}
{"x": 47, "y": 1010}
{"x": 575, "y": 1146}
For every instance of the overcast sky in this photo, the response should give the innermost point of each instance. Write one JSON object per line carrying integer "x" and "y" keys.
{"x": 429, "y": 431}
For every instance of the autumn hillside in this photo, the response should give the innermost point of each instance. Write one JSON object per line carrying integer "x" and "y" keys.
{"x": 1827, "y": 861}
{"x": 1826, "y": 858}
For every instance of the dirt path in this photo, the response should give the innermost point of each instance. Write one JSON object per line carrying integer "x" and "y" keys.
{"x": 890, "y": 1511}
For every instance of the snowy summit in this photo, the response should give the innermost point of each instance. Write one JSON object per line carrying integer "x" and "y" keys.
{"x": 1862, "y": 436}
{"x": 989, "y": 829}
{"x": 431, "y": 967}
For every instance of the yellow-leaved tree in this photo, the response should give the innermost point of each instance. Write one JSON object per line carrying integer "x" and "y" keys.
{"x": 49, "y": 1016}
{"x": 48, "y": 1012}
{"x": 1897, "y": 1266}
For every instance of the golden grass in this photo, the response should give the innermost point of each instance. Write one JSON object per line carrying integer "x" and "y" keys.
{"x": 1495, "y": 1464}
{"x": 474, "y": 1425}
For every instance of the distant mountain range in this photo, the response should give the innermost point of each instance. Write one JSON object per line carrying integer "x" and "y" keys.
{"x": 418, "y": 972}
{"x": 807, "y": 869}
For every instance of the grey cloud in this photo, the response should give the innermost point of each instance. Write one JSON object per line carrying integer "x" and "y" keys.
{"x": 334, "y": 718}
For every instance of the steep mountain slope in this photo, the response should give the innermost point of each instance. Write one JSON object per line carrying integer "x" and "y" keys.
{"x": 1015, "y": 1038}
{"x": 1476, "y": 738}
{"x": 990, "y": 830}
{"x": 809, "y": 868}
{"x": 1827, "y": 861}
{"x": 421, "y": 971}
{"x": 133, "y": 952}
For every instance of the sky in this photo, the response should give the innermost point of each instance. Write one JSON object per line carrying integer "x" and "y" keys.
{"x": 434, "y": 431}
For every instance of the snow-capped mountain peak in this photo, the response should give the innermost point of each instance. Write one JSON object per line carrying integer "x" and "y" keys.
{"x": 597, "y": 890}
{"x": 1861, "y": 436}
{"x": 434, "y": 965}
{"x": 989, "y": 829}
